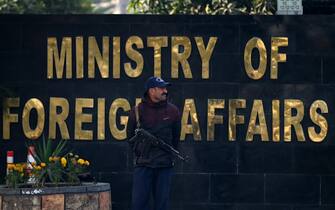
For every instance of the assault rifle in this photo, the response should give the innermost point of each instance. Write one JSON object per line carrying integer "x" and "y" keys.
{"x": 145, "y": 136}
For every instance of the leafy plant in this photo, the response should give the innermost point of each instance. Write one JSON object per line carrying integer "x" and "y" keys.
{"x": 76, "y": 166}
{"x": 52, "y": 164}
{"x": 55, "y": 164}
{"x": 262, "y": 7}
{"x": 222, "y": 7}
{"x": 208, "y": 7}
{"x": 44, "y": 150}
{"x": 48, "y": 166}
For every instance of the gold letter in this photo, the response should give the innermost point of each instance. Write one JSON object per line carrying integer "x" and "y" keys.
{"x": 275, "y": 56}
{"x": 59, "y": 118}
{"x": 212, "y": 118}
{"x": 119, "y": 103}
{"x": 81, "y": 118}
{"x": 290, "y": 120}
{"x": 157, "y": 42}
{"x": 66, "y": 52}
{"x": 101, "y": 119}
{"x": 190, "y": 110}
{"x": 116, "y": 57}
{"x": 257, "y": 111}
{"x": 79, "y": 57}
{"x": 138, "y": 101}
{"x": 318, "y": 120}
{"x": 251, "y": 72}
{"x": 95, "y": 55}
{"x": 8, "y": 117}
{"x": 177, "y": 57}
{"x": 235, "y": 119}
{"x": 205, "y": 53}
{"x": 135, "y": 56}
{"x": 276, "y": 120}
{"x": 33, "y": 103}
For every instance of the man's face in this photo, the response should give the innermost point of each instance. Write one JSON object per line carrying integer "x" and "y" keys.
{"x": 158, "y": 94}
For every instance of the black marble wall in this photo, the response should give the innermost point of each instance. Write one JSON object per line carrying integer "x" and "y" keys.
{"x": 318, "y": 7}
{"x": 225, "y": 175}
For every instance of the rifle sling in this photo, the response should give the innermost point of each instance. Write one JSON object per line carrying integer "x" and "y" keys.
{"x": 137, "y": 117}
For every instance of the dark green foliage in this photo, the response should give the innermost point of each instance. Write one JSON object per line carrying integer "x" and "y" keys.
{"x": 208, "y": 7}
{"x": 45, "y": 6}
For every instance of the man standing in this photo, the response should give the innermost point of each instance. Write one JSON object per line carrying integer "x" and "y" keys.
{"x": 152, "y": 174}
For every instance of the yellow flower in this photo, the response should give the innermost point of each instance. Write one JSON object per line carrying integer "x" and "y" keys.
{"x": 38, "y": 168}
{"x": 81, "y": 161}
{"x": 43, "y": 165}
{"x": 10, "y": 166}
{"x": 87, "y": 163}
{"x": 51, "y": 159}
{"x": 63, "y": 161}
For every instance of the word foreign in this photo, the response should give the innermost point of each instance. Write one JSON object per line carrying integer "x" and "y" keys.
{"x": 89, "y": 116}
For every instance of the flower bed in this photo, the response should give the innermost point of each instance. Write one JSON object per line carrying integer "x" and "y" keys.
{"x": 52, "y": 179}
{"x": 48, "y": 164}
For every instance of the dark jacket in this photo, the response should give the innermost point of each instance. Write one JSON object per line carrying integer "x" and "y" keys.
{"x": 163, "y": 121}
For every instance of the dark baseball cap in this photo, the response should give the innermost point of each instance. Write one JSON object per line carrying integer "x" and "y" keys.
{"x": 153, "y": 82}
